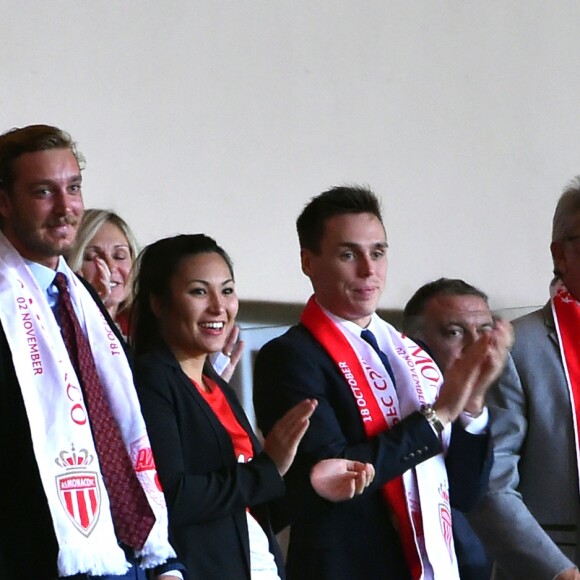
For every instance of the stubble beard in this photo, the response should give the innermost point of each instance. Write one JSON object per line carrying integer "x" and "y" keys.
{"x": 41, "y": 243}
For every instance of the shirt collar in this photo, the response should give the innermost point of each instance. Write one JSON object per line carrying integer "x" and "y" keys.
{"x": 44, "y": 275}
{"x": 353, "y": 327}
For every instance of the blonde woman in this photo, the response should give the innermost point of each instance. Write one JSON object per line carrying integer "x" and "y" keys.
{"x": 104, "y": 252}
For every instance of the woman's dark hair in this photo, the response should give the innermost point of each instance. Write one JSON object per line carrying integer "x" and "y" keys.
{"x": 155, "y": 268}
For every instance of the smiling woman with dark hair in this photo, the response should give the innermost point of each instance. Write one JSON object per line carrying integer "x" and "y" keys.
{"x": 218, "y": 480}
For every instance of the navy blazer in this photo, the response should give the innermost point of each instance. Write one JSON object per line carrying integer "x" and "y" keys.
{"x": 355, "y": 539}
{"x": 27, "y": 540}
{"x": 206, "y": 489}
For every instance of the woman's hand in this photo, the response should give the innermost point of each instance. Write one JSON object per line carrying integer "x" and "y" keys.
{"x": 225, "y": 361}
{"x": 282, "y": 441}
{"x": 233, "y": 349}
{"x": 341, "y": 479}
{"x": 102, "y": 281}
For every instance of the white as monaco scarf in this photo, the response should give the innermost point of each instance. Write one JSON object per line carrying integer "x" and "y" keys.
{"x": 61, "y": 433}
{"x": 419, "y": 498}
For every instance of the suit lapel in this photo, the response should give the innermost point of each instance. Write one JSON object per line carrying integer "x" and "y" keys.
{"x": 549, "y": 323}
{"x": 191, "y": 393}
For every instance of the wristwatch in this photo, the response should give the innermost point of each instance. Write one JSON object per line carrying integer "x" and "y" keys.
{"x": 431, "y": 415}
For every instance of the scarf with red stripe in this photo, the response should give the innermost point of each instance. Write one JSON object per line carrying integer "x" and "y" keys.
{"x": 419, "y": 498}
{"x": 566, "y": 311}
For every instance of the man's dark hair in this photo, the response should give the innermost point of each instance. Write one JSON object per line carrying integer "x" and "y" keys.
{"x": 31, "y": 139}
{"x": 442, "y": 287}
{"x": 336, "y": 201}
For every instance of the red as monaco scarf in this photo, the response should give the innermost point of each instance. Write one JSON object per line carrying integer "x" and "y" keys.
{"x": 373, "y": 401}
{"x": 566, "y": 311}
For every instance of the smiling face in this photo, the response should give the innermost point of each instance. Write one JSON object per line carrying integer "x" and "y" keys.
{"x": 111, "y": 247}
{"x": 450, "y": 323}
{"x": 44, "y": 206}
{"x": 199, "y": 313}
{"x": 348, "y": 274}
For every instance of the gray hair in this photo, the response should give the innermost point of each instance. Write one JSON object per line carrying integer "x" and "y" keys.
{"x": 567, "y": 209}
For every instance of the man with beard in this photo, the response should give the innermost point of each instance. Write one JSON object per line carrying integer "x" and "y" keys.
{"x": 78, "y": 495}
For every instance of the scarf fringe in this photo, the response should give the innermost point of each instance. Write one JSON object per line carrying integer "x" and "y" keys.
{"x": 73, "y": 559}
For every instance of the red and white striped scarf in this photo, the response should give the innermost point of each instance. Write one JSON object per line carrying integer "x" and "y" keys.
{"x": 566, "y": 311}
{"x": 419, "y": 498}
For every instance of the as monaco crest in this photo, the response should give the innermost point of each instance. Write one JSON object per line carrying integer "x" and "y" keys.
{"x": 78, "y": 489}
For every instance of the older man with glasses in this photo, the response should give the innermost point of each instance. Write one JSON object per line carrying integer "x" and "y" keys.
{"x": 529, "y": 518}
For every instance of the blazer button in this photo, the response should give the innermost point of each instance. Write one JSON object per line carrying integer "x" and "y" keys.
{"x": 411, "y": 455}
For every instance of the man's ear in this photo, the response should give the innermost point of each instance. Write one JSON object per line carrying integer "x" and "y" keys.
{"x": 559, "y": 257}
{"x": 306, "y": 261}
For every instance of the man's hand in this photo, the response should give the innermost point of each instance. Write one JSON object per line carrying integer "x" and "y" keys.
{"x": 341, "y": 479}
{"x": 470, "y": 376}
{"x": 502, "y": 337}
{"x": 568, "y": 574}
{"x": 282, "y": 441}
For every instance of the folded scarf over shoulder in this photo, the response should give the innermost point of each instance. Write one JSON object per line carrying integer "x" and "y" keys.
{"x": 60, "y": 425}
{"x": 566, "y": 311}
{"x": 419, "y": 498}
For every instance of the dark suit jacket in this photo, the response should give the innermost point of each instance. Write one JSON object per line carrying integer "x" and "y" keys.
{"x": 28, "y": 543}
{"x": 355, "y": 539}
{"x": 29, "y": 548}
{"x": 207, "y": 490}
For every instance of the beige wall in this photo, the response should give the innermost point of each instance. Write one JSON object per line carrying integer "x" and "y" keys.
{"x": 226, "y": 117}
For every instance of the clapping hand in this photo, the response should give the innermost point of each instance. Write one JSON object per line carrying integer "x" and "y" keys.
{"x": 469, "y": 377}
{"x": 283, "y": 440}
{"x": 233, "y": 349}
{"x": 341, "y": 479}
{"x": 225, "y": 361}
